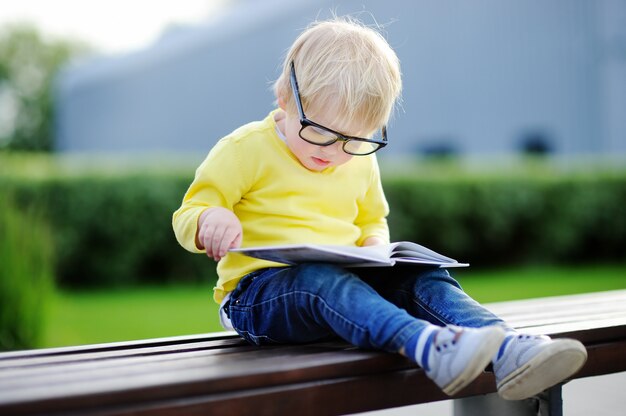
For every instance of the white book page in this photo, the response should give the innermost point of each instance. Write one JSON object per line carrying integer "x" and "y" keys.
{"x": 294, "y": 254}
{"x": 407, "y": 249}
{"x": 351, "y": 256}
{"x": 430, "y": 262}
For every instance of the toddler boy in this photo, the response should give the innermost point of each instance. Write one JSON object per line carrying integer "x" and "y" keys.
{"x": 307, "y": 173}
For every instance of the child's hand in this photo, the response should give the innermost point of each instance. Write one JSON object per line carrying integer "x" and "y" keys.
{"x": 219, "y": 229}
{"x": 372, "y": 241}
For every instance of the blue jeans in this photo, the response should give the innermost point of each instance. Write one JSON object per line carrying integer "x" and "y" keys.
{"x": 374, "y": 308}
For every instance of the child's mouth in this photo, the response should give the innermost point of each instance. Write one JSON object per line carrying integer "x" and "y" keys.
{"x": 320, "y": 162}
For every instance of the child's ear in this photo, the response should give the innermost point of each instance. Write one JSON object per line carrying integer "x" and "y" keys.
{"x": 281, "y": 102}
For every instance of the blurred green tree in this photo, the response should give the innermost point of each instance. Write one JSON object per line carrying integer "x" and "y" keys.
{"x": 29, "y": 64}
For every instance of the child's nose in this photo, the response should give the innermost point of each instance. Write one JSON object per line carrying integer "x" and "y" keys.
{"x": 333, "y": 148}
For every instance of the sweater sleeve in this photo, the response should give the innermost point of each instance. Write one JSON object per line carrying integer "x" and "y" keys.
{"x": 373, "y": 209}
{"x": 220, "y": 181}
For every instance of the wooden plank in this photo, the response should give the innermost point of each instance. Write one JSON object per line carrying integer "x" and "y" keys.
{"x": 605, "y": 358}
{"x": 334, "y": 396}
{"x": 118, "y": 346}
{"x": 576, "y": 305}
{"x": 350, "y": 395}
{"x": 184, "y": 360}
{"x": 234, "y": 372}
{"x": 588, "y": 317}
{"x": 221, "y": 345}
{"x": 588, "y": 331}
{"x": 49, "y": 372}
{"x": 565, "y": 300}
{"x": 540, "y": 319}
{"x": 187, "y": 374}
{"x": 578, "y": 310}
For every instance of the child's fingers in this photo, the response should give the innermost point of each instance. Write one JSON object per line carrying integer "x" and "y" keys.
{"x": 230, "y": 236}
{"x": 208, "y": 247}
{"x": 218, "y": 241}
{"x": 211, "y": 239}
{"x": 237, "y": 242}
{"x": 220, "y": 230}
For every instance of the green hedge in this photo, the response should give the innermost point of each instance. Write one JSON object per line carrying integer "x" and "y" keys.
{"x": 116, "y": 229}
{"x": 26, "y": 275}
{"x": 514, "y": 220}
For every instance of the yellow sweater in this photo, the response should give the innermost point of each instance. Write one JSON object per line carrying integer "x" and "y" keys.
{"x": 278, "y": 201}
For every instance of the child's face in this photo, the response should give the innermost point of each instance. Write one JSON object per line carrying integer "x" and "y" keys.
{"x": 311, "y": 156}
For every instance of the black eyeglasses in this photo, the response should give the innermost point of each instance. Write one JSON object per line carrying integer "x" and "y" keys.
{"x": 317, "y": 134}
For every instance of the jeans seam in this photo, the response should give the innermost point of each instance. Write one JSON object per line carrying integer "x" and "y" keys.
{"x": 420, "y": 302}
{"x": 252, "y": 336}
{"x": 317, "y": 297}
{"x": 403, "y": 338}
{"x": 325, "y": 304}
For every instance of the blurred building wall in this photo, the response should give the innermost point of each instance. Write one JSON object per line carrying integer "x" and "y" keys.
{"x": 481, "y": 76}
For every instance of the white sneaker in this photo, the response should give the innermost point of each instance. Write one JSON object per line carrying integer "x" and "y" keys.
{"x": 527, "y": 365}
{"x": 456, "y": 356}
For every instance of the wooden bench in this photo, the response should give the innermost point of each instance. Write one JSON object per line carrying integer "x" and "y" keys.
{"x": 220, "y": 374}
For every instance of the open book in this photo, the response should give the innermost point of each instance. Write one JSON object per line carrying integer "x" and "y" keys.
{"x": 350, "y": 256}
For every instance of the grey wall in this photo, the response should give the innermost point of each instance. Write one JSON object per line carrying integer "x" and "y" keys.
{"x": 478, "y": 76}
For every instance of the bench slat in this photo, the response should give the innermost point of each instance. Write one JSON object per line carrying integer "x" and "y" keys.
{"x": 117, "y": 346}
{"x": 339, "y": 396}
{"x": 88, "y": 367}
{"x": 335, "y": 396}
{"x": 232, "y": 372}
{"x": 574, "y": 304}
{"x": 184, "y": 375}
{"x": 222, "y": 345}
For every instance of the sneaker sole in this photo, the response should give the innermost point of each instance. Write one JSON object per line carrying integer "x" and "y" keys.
{"x": 553, "y": 365}
{"x": 484, "y": 354}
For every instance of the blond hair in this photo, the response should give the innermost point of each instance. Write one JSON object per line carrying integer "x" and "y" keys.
{"x": 345, "y": 67}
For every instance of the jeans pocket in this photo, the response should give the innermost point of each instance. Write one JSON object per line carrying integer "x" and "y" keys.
{"x": 239, "y": 296}
{"x": 243, "y": 318}
{"x": 244, "y": 283}
{"x": 247, "y": 327}
{"x": 254, "y": 339}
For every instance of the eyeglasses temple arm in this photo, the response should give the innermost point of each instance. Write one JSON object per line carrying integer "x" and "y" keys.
{"x": 296, "y": 91}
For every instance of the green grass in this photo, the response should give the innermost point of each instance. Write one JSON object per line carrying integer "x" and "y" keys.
{"x": 540, "y": 281}
{"x": 148, "y": 312}
{"x": 86, "y": 317}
